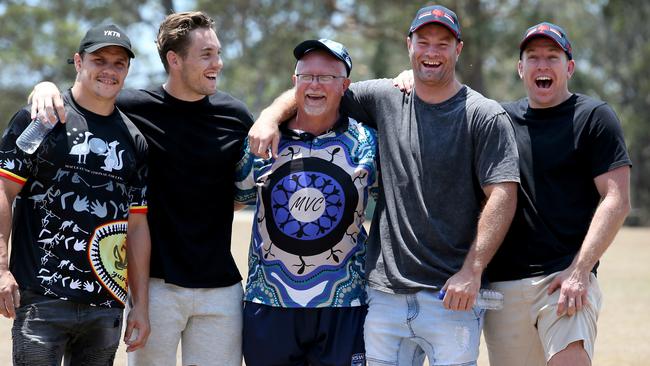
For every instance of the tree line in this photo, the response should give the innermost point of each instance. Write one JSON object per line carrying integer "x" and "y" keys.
{"x": 609, "y": 37}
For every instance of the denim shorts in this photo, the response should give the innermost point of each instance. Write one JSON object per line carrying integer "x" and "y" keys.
{"x": 401, "y": 329}
{"x": 47, "y": 330}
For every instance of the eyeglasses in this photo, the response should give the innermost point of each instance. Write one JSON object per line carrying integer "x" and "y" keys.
{"x": 323, "y": 79}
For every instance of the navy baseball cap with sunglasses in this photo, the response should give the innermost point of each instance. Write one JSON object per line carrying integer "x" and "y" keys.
{"x": 332, "y": 47}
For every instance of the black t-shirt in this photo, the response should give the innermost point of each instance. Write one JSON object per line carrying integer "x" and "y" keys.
{"x": 70, "y": 218}
{"x": 193, "y": 150}
{"x": 561, "y": 150}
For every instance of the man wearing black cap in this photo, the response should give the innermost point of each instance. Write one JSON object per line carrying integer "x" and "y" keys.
{"x": 306, "y": 282}
{"x": 447, "y": 195}
{"x": 79, "y": 217}
{"x": 195, "y": 133}
{"x": 573, "y": 199}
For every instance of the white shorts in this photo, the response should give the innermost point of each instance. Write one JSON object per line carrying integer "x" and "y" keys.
{"x": 207, "y": 321}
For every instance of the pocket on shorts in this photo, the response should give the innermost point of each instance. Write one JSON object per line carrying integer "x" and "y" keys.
{"x": 254, "y": 310}
{"x": 595, "y": 296}
{"x": 478, "y": 312}
{"x": 107, "y": 317}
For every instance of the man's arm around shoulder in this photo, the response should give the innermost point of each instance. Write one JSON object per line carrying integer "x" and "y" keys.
{"x": 265, "y": 133}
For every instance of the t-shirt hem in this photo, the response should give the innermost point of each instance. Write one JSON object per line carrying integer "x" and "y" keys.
{"x": 402, "y": 290}
{"x": 218, "y": 284}
{"x": 346, "y": 305}
{"x": 77, "y": 300}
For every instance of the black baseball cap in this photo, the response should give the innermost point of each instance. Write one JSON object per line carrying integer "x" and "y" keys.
{"x": 103, "y": 36}
{"x": 334, "y": 48}
{"x": 548, "y": 30}
{"x": 436, "y": 14}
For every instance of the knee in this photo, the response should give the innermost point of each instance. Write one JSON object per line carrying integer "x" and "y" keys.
{"x": 573, "y": 355}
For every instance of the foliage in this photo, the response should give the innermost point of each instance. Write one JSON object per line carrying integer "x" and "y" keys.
{"x": 610, "y": 40}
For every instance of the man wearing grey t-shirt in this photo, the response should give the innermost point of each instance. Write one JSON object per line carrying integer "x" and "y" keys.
{"x": 449, "y": 174}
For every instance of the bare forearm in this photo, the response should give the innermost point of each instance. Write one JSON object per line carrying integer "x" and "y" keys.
{"x": 606, "y": 223}
{"x": 138, "y": 255}
{"x": 492, "y": 226}
{"x": 282, "y": 108}
{"x": 5, "y": 230}
{"x": 8, "y": 192}
{"x": 614, "y": 188}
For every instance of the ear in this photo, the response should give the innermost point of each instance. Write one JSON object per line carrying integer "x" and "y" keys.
{"x": 77, "y": 61}
{"x": 409, "y": 43}
{"x": 294, "y": 80}
{"x": 173, "y": 59}
{"x": 459, "y": 48}
{"x": 520, "y": 69}
{"x": 571, "y": 68}
{"x": 346, "y": 84}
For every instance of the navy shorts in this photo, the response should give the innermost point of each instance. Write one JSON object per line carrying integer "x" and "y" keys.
{"x": 275, "y": 336}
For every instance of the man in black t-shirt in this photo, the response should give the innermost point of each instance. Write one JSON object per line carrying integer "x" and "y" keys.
{"x": 79, "y": 217}
{"x": 195, "y": 134}
{"x": 573, "y": 199}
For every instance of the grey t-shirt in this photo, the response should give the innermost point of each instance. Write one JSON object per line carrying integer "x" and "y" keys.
{"x": 434, "y": 159}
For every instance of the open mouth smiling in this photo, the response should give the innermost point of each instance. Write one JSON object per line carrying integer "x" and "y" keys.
{"x": 543, "y": 82}
{"x": 431, "y": 64}
{"x": 315, "y": 97}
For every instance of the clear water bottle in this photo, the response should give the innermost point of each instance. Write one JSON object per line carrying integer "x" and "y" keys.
{"x": 33, "y": 135}
{"x": 487, "y": 299}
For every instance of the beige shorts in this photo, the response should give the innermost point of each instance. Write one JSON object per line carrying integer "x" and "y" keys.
{"x": 528, "y": 332}
{"x": 208, "y": 323}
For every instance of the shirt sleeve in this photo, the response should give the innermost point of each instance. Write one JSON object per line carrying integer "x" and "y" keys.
{"x": 496, "y": 156}
{"x": 607, "y": 149}
{"x": 245, "y": 188}
{"x": 15, "y": 164}
{"x": 362, "y": 100}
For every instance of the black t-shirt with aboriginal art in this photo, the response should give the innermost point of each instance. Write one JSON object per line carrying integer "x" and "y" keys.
{"x": 70, "y": 218}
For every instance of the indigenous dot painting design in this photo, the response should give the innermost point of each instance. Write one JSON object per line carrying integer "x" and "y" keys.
{"x": 309, "y": 200}
{"x": 308, "y": 240}
{"x": 107, "y": 252}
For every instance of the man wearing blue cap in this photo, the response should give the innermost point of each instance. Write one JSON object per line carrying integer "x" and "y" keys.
{"x": 573, "y": 199}
{"x": 447, "y": 195}
{"x": 305, "y": 300}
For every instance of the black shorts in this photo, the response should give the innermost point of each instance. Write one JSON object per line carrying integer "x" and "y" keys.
{"x": 275, "y": 336}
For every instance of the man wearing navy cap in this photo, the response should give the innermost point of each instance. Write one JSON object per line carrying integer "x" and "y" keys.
{"x": 79, "y": 218}
{"x": 573, "y": 199}
{"x": 305, "y": 300}
{"x": 449, "y": 174}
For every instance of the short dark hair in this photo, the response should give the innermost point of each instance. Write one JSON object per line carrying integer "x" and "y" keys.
{"x": 174, "y": 33}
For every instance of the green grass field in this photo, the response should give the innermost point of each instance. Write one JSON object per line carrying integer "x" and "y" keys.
{"x": 624, "y": 278}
